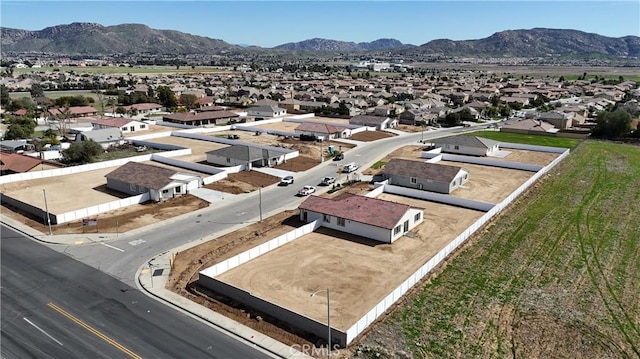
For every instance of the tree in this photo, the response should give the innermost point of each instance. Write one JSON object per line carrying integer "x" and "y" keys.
{"x": 614, "y": 124}
{"x": 5, "y": 99}
{"x": 20, "y": 127}
{"x": 36, "y": 90}
{"x": 188, "y": 100}
{"x": 82, "y": 152}
{"x": 166, "y": 97}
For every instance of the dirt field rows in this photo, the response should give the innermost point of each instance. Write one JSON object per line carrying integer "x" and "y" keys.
{"x": 555, "y": 276}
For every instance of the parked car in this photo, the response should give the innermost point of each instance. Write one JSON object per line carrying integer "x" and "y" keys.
{"x": 327, "y": 181}
{"x": 349, "y": 167}
{"x": 338, "y": 157}
{"x": 306, "y": 190}
{"x": 287, "y": 180}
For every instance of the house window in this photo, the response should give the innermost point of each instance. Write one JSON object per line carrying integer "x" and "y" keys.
{"x": 132, "y": 187}
{"x": 326, "y": 218}
{"x": 341, "y": 222}
{"x": 143, "y": 126}
{"x": 165, "y": 191}
{"x": 414, "y": 180}
{"x": 124, "y": 129}
{"x": 456, "y": 147}
{"x": 397, "y": 230}
{"x": 416, "y": 218}
{"x": 132, "y": 129}
{"x": 179, "y": 189}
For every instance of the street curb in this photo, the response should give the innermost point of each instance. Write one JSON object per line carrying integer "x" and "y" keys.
{"x": 159, "y": 298}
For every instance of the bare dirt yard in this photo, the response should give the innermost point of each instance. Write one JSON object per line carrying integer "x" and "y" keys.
{"x": 117, "y": 221}
{"x": 243, "y": 182}
{"x": 150, "y": 130}
{"x": 368, "y": 136}
{"x": 198, "y": 148}
{"x": 440, "y": 221}
{"x": 360, "y": 271}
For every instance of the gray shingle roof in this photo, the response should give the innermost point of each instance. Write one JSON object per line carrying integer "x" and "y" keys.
{"x": 142, "y": 175}
{"x": 423, "y": 170}
{"x": 245, "y": 153}
{"x": 469, "y": 141}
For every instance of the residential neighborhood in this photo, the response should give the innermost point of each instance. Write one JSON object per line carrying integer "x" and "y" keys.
{"x": 262, "y": 187}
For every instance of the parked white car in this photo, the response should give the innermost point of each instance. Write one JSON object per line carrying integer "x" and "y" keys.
{"x": 306, "y": 190}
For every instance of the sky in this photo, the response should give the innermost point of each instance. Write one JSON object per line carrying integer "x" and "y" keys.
{"x": 272, "y": 23}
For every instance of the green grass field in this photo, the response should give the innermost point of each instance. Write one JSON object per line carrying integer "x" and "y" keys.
{"x": 557, "y": 275}
{"x": 528, "y": 139}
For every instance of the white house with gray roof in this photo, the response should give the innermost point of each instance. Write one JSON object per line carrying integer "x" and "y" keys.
{"x": 249, "y": 156}
{"x": 105, "y": 137}
{"x": 266, "y": 111}
{"x": 467, "y": 145}
{"x": 433, "y": 177}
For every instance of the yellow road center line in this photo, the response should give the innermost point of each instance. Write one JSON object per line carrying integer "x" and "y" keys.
{"x": 93, "y": 331}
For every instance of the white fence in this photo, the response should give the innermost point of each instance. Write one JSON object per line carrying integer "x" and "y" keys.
{"x": 255, "y": 252}
{"x": 101, "y": 208}
{"x": 439, "y": 197}
{"x": 397, "y": 293}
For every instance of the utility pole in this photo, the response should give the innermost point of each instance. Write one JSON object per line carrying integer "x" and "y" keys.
{"x": 260, "y": 199}
{"x": 46, "y": 208}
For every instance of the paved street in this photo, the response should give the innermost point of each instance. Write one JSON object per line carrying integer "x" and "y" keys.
{"x": 56, "y": 307}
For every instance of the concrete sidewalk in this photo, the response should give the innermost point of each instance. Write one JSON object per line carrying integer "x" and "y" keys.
{"x": 151, "y": 278}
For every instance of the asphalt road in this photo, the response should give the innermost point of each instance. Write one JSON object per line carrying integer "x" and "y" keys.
{"x": 135, "y": 250}
{"x": 56, "y": 307}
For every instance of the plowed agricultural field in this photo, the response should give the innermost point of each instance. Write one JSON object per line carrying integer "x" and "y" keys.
{"x": 557, "y": 275}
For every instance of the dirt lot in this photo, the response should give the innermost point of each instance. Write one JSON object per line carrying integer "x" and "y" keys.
{"x": 64, "y": 193}
{"x": 347, "y": 264}
{"x": 243, "y": 182}
{"x": 368, "y": 136}
{"x": 489, "y": 184}
{"x": 198, "y": 147}
{"x": 118, "y": 221}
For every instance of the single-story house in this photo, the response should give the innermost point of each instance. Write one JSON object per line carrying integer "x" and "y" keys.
{"x": 16, "y": 146}
{"x": 559, "y": 119}
{"x": 417, "y": 117}
{"x": 19, "y": 163}
{"x": 74, "y": 112}
{"x": 266, "y": 111}
{"x": 528, "y": 126}
{"x": 379, "y": 122}
{"x": 105, "y": 137}
{"x": 144, "y": 108}
{"x": 433, "y": 177}
{"x": 467, "y": 145}
{"x": 126, "y": 125}
{"x": 323, "y": 130}
{"x": 236, "y": 155}
{"x": 380, "y": 220}
{"x": 161, "y": 183}
{"x": 202, "y": 118}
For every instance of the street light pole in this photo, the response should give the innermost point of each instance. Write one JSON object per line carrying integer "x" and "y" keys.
{"x": 260, "y": 199}
{"x": 46, "y": 208}
{"x": 328, "y": 320}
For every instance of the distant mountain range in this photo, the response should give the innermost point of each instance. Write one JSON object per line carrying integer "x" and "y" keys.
{"x": 92, "y": 38}
{"x": 342, "y": 46}
{"x": 96, "y": 39}
{"x": 533, "y": 43}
